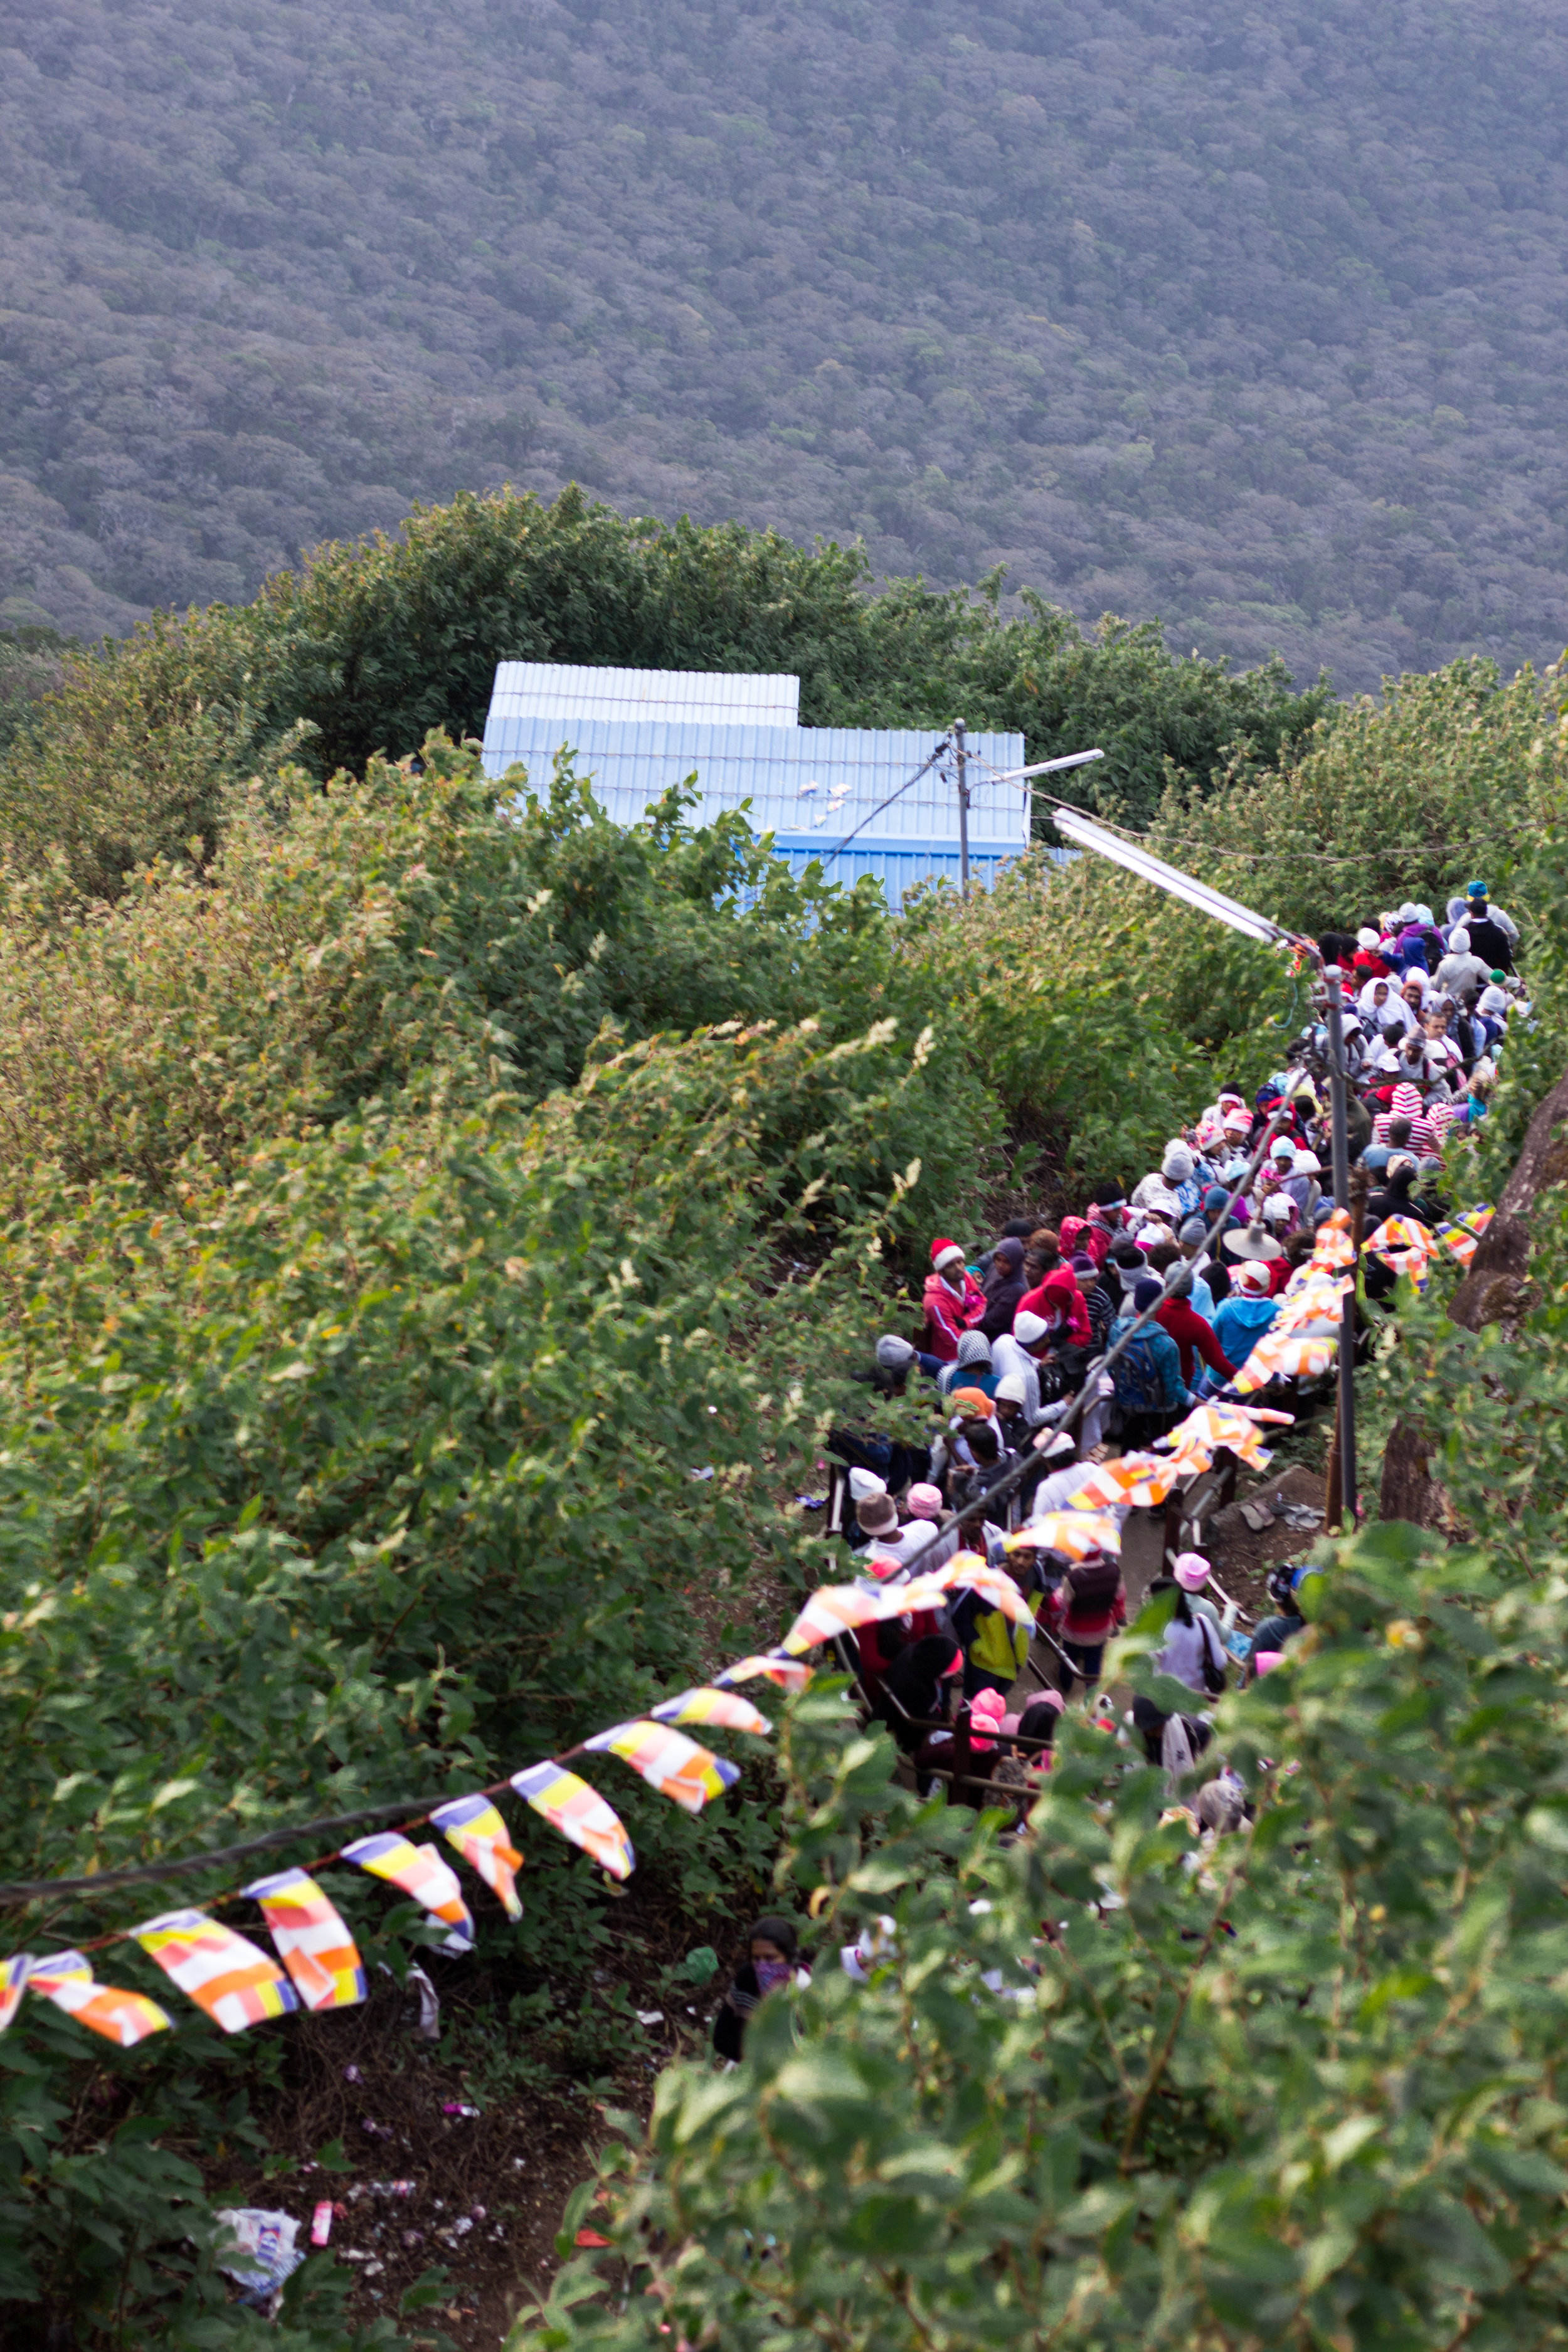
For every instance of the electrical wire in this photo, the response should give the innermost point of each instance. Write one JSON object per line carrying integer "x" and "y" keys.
{"x": 946, "y": 744}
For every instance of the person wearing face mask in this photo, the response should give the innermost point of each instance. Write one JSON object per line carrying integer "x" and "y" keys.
{"x": 772, "y": 1959}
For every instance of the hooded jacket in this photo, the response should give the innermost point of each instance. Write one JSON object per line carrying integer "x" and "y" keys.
{"x": 1061, "y": 1301}
{"x": 950, "y": 1313}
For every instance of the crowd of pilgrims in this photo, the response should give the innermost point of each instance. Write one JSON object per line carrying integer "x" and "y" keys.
{"x": 1010, "y": 1338}
{"x": 1011, "y": 1334}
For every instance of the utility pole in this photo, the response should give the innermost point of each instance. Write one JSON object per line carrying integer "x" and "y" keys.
{"x": 1341, "y": 1509}
{"x": 963, "y": 806}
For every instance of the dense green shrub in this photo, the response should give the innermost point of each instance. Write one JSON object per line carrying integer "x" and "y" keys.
{"x": 371, "y": 645}
{"x": 1304, "y": 2094}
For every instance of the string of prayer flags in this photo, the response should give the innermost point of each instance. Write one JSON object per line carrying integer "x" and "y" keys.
{"x": 225, "y": 1973}
{"x": 723, "y": 1710}
{"x": 835, "y": 1609}
{"x": 791, "y": 1675}
{"x": 1290, "y": 1355}
{"x": 1141, "y": 1481}
{"x": 1199, "y": 1436}
{"x": 1404, "y": 1244}
{"x": 420, "y": 1872}
{"x": 577, "y": 1812}
{"x": 125, "y": 2017}
{"x": 1461, "y": 1235}
{"x": 13, "y": 1985}
{"x": 668, "y": 1762}
{"x": 1333, "y": 1247}
{"x": 969, "y": 1573}
{"x": 1075, "y": 1533}
{"x": 312, "y": 1941}
{"x": 474, "y": 1827}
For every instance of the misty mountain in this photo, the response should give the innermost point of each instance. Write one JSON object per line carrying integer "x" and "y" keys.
{"x": 1257, "y": 323}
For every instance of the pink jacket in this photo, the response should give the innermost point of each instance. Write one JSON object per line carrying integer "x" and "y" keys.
{"x": 948, "y": 1318}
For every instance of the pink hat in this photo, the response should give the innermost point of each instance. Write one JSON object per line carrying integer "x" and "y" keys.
{"x": 1265, "y": 1660}
{"x": 943, "y": 1251}
{"x": 987, "y": 1709}
{"x": 1192, "y": 1572}
{"x": 925, "y": 1502}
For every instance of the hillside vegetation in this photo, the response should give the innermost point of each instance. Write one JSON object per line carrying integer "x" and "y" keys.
{"x": 408, "y": 1186}
{"x": 1252, "y": 323}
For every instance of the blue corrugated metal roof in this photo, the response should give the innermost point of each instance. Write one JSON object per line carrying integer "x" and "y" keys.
{"x": 580, "y": 690}
{"x": 810, "y": 786}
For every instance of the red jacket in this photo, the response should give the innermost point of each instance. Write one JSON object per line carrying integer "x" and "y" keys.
{"x": 1192, "y": 1334}
{"x": 1089, "y": 1601}
{"x": 1059, "y": 1296}
{"x": 948, "y": 1318}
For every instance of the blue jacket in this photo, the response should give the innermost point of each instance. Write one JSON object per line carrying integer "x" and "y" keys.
{"x": 1239, "y": 1323}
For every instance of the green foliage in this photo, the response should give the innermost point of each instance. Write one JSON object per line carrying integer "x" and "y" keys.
{"x": 30, "y": 668}
{"x": 371, "y": 645}
{"x": 1299, "y": 2088}
{"x": 1448, "y": 778}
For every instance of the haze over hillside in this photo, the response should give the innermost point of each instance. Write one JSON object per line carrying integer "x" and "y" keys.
{"x": 1254, "y": 324}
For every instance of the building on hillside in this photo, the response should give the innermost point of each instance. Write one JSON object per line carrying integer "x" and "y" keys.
{"x": 635, "y": 733}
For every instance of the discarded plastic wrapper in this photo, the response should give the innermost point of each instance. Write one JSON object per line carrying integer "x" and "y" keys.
{"x": 232, "y": 1979}
{"x": 322, "y": 2222}
{"x": 429, "y": 2026}
{"x": 456, "y": 2107}
{"x": 263, "y": 2255}
{"x": 578, "y": 1813}
{"x": 315, "y": 1946}
{"x": 668, "y": 1762}
{"x": 723, "y": 1710}
{"x": 420, "y": 1872}
{"x": 473, "y": 1826}
{"x": 126, "y": 2018}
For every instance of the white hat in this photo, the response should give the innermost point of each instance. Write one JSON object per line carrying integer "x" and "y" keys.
{"x": 1366, "y": 936}
{"x": 1030, "y": 1330}
{"x": 1307, "y": 1163}
{"x": 863, "y": 1483}
{"x": 872, "y": 1947}
{"x": 1251, "y": 1275}
{"x": 951, "y": 1255}
{"x": 1011, "y": 1390}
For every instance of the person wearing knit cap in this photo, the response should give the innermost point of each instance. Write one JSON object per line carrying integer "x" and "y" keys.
{"x": 971, "y": 1367}
{"x": 1493, "y": 935}
{"x": 1011, "y": 1400}
{"x": 1099, "y": 1304}
{"x": 1241, "y": 1319}
{"x": 1462, "y": 973}
{"x": 924, "y": 1501}
{"x": 1058, "y": 1302}
{"x": 1004, "y": 1287}
{"x": 972, "y": 1404}
{"x": 1151, "y": 1393}
{"x": 1191, "y": 1571}
{"x": 876, "y": 1513}
{"x": 1020, "y": 1352}
{"x": 953, "y": 1300}
{"x": 1210, "y": 1280}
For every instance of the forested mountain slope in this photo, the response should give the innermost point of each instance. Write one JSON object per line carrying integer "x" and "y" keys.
{"x": 1254, "y": 323}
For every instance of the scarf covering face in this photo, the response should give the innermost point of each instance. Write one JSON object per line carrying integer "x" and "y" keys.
{"x": 770, "y": 1973}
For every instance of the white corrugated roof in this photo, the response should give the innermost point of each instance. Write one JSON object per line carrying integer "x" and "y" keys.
{"x": 579, "y": 691}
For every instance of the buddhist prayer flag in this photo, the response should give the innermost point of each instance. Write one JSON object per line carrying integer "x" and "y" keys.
{"x": 419, "y": 1871}
{"x": 224, "y": 1973}
{"x": 473, "y": 1825}
{"x": 1288, "y": 1355}
{"x": 967, "y": 1573}
{"x": 1196, "y": 1439}
{"x": 835, "y": 1609}
{"x": 1461, "y": 1235}
{"x": 578, "y": 1813}
{"x": 125, "y": 2017}
{"x": 668, "y": 1762}
{"x": 1404, "y": 1244}
{"x": 13, "y": 1985}
{"x": 1333, "y": 1247}
{"x": 723, "y": 1710}
{"x": 315, "y": 1946}
{"x": 790, "y": 1674}
{"x": 1075, "y": 1533}
{"x": 1141, "y": 1481}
